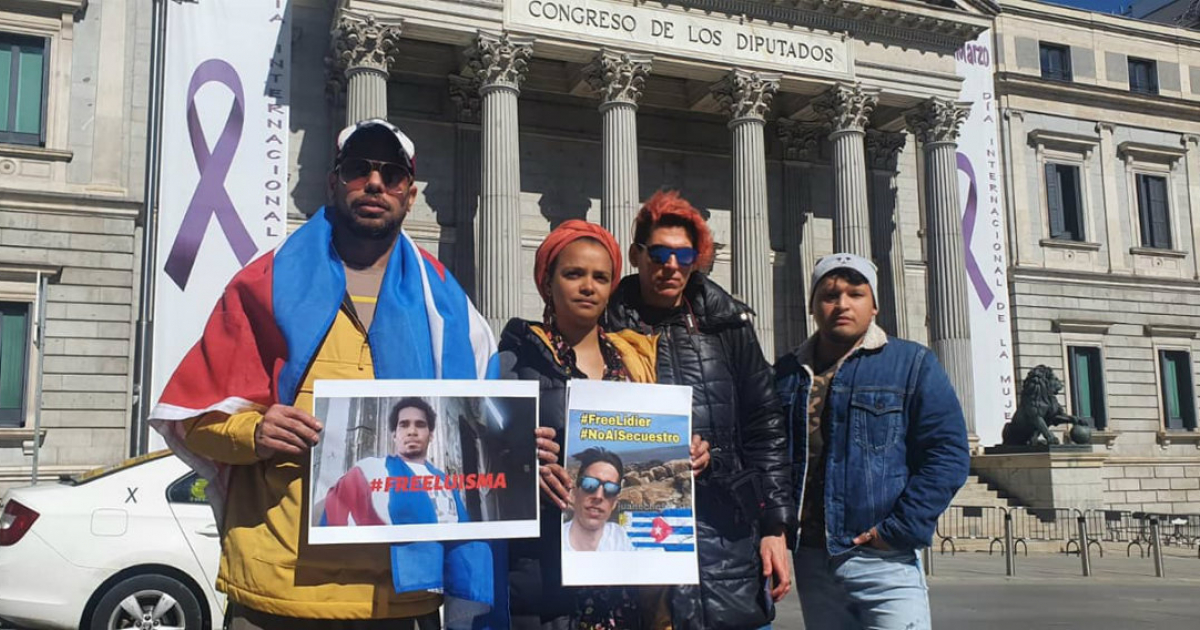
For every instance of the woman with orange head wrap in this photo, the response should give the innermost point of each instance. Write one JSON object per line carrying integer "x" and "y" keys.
{"x": 575, "y": 270}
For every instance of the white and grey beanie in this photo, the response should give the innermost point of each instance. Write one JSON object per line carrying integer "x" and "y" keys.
{"x": 833, "y": 262}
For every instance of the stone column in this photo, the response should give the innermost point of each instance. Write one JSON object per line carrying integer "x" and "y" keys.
{"x": 746, "y": 96}
{"x": 883, "y": 149}
{"x": 464, "y": 93}
{"x": 848, "y": 108}
{"x": 801, "y": 149}
{"x": 499, "y": 61}
{"x": 363, "y": 50}
{"x": 935, "y": 123}
{"x": 619, "y": 77}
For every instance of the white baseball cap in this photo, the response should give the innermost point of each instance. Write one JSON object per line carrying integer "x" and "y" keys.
{"x": 408, "y": 151}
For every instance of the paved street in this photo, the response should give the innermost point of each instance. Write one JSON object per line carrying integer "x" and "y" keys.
{"x": 970, "y": 590}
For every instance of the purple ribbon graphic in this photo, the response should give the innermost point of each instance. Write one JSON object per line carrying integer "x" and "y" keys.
{"x": 210, "y": 197}
{"x": 968, "y": 222}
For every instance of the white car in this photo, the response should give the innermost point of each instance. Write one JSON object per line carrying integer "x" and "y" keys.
{"x": 130, "y": 546}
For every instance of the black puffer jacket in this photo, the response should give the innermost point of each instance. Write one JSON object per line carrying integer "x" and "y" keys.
{"x": 535, "y": 565}
{"x": 709, "y": 343}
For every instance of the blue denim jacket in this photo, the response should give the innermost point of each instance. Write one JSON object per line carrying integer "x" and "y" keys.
{"x": 897, "y": 450}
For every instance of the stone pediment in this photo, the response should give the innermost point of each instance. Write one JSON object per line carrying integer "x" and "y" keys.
{"x": 929, "y": 24}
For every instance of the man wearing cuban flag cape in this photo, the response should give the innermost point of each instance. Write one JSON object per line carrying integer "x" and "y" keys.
{"x": 347, "y": 296}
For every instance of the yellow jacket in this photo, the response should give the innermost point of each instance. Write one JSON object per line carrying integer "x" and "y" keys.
{"x": 638, "y": 352}
{"x": 266, "y": 563}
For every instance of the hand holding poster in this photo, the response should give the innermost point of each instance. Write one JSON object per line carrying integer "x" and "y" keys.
{"x": 413, "y": 460}
{"x": 627, "y": 453}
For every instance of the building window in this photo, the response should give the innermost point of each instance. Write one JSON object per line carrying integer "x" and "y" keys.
{"x": 1056, "y": 61}
{"x": 23, "y": 80}
{"x": 1143, "y": 76}
{"x": 1153, "y": 211}
{"x": 1086, "y": 373}
{"x": 1179, "y": 405}
{"x": 14, "y": 359}
{"x": 1064, "y": 202}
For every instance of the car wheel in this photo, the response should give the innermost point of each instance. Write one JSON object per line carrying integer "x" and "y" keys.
{"x": 148, "y": 602}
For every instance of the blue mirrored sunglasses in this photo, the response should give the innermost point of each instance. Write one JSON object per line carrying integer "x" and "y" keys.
{"x": 661, "y": 254}
{"x": 591, "y": 484}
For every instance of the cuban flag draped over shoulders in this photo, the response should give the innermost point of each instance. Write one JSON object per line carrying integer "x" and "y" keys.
{"x": 267, "y": 328}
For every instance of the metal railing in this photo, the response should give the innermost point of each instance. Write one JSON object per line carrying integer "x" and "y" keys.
{"x": 965, "y": 522}
{"x": 1081, "y": 532}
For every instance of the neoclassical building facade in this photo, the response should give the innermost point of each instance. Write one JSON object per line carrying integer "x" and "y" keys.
{"x": 1101, "y": 130}
{"x": 798, "y": 128}
{"x": 73, "y": 85}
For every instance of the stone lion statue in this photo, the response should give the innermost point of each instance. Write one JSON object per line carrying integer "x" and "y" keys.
{"x": 1038, "y": 410}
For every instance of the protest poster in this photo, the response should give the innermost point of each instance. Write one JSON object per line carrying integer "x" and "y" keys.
{"x": 627, "y": 452}
{"x": 415, "y": 460}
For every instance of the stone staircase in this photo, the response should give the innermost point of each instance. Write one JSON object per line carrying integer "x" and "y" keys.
{"x": 973, "y": 530}
{"x": 977, "y": 492}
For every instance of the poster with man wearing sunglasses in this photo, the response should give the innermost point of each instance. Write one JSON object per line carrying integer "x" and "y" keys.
{"x": 627, "y": 455}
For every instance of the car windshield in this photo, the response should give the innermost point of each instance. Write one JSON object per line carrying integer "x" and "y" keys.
{"x": 96, "y": 473}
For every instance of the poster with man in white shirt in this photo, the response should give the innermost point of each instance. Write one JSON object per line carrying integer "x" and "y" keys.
{"x": 597, "y": 486}
{"x": 627, "y": 453}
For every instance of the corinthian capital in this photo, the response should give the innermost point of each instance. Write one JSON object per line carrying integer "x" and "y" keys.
{"x": 937, "y": 120}
{"x": 847, "y": 107}
{"x": 499, "y": 59}
{"x": 801, "y": 141}
{"x": 618, "y": 76}
{"x": 883, "y": 148}
{"x": 745, "y": 94}
{"x": 363, "y": 41}
{"x": 464, "y": 93}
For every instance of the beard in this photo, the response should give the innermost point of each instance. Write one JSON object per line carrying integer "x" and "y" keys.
{"x": 375, "y": 229}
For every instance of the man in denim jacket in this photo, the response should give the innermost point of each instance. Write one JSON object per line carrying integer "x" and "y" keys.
{"x": 879, "y": 445}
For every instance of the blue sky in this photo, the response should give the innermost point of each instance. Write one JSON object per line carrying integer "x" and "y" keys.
{"x": 1103, "y": 6}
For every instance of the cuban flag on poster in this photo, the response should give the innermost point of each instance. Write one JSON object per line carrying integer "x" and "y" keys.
{"x": 671, "y": 530}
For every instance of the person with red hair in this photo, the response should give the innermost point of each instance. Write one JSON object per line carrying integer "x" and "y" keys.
{"x": 575, "y": 270}
{"x": 745, "y": 508}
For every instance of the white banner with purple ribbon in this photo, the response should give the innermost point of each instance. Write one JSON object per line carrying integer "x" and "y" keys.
{"x": 224, "y": 182}
{"x": 981, "y": 192}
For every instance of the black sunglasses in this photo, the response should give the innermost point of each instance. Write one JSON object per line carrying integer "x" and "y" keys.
{"x": 591, "y": 484}
{"x": 661, "y": 254}
{"x": 355, "y": 172}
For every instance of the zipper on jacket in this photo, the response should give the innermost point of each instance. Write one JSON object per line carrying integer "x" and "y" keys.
{"x": 348, "y": 306}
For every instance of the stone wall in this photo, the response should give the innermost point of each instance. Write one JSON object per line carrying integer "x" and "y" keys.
{"x": 1167, "y": 485}
{"x": 1107, "y": 290}
{"x": 1054, "y": 479}
{"x": 68, "y": 209}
